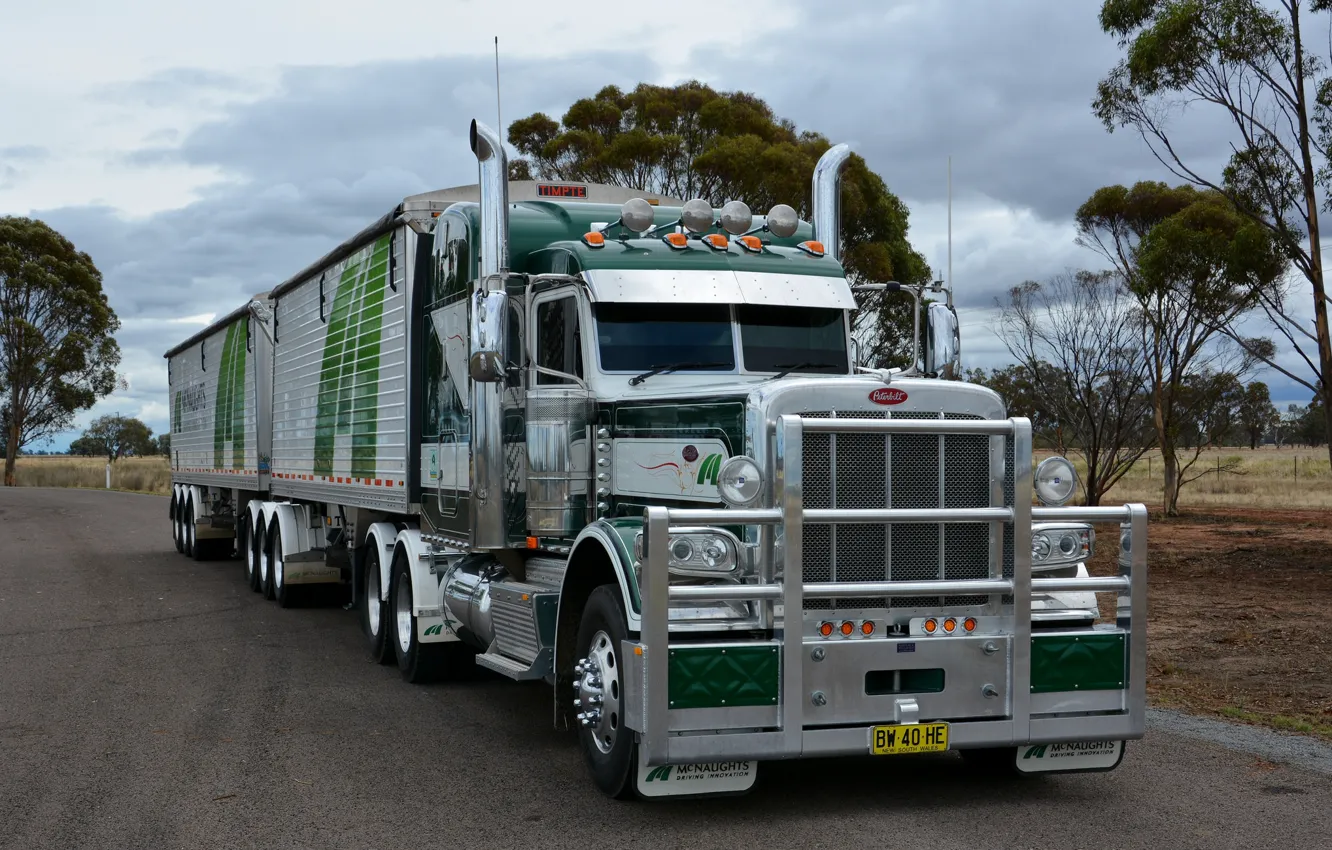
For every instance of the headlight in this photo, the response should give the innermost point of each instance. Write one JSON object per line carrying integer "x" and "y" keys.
{"x": 739, "y": 481}
{"x": 1056, "y": 480}
{"x": 1057, "y": 544}
{"x": 698, "y": 551}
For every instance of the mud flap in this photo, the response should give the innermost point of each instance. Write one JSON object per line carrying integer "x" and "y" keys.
{"x": 1070, "y": 757}
{"x": 696, "y": 780}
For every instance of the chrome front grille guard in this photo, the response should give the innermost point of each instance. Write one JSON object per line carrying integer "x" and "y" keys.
{"x": 791, "y": 739}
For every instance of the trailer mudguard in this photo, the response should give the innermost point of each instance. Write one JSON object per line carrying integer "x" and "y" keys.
{"x": 426, "y": 602}
{"x": 383, "y": 536}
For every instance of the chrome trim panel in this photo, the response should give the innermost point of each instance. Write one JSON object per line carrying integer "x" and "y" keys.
{"x": 722, "y": 286}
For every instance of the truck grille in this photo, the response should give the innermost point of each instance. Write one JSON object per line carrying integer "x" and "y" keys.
{"x": 896, "y": 471}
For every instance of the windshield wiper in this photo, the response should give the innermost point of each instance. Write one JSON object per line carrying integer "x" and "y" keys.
{"x": 673, "y": 367}
{"x": 788, "y": 368}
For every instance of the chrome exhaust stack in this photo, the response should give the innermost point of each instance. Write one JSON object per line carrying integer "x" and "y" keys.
{"x": 827, "y": 195}
{"x": 488, "y": 344}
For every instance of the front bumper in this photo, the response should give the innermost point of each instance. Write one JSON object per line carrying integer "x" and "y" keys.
{"x": 797, "y": 697}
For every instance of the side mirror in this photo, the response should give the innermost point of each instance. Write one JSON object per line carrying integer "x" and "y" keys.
{"x": 488, "y": 331}
{"x": 943, "y": 343}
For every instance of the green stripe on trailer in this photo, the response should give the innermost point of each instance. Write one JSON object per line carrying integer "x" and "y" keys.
{"x": 348, "y": 401}
{"x": 229, "y": 410}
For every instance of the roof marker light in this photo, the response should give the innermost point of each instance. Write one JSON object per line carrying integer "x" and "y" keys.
{"x": 717, "y": 242}
{"x": 593, "y": 239}
{"x": 813, "y": 248}
{"x": 751, "y": 243}
{"x": 677, "y": 241}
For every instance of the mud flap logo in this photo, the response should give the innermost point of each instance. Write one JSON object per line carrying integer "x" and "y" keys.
{"x": 1071, "y": 755}
{"x": 662, "y": 773}
{"x": 667, "y": 780}
{"x": 435, "y": 629}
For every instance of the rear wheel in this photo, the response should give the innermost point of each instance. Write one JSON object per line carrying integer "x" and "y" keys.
{"x": 374, "y": 610}
{"x": 608, "y": 747}
{"x": 245, "y": 548}
{"x": 285, "y": 594}
{"x": 419, "y": 662}
{"x": 188, "y": 529}
{"x": 176, "y": 524}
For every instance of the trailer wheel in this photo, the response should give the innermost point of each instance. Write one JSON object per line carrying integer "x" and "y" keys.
{"x": 266, "y": 564}
{"x": 187, "y": 528}
{"x": 608, "y": 746}
{"x": 284, "y": 594}
{"x": 418, "y": 662}
{"x": 374, "y": 610}
{"x": 254, "y": 539}
{"x": 176, "y": 523}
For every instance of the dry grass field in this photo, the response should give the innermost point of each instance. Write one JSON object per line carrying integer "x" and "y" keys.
{"x": 137, "y": 474}
{"x": 1267, "y": 477}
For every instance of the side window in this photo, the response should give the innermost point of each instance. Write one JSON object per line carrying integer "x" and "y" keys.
{"x": 559, "y": 343}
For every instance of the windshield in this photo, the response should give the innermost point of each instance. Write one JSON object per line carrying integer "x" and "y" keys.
{"x": 798, "y": 339}
{"x": 641, "y": 337}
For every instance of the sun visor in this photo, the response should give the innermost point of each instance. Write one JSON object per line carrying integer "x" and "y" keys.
{"x": 693, "y": 286}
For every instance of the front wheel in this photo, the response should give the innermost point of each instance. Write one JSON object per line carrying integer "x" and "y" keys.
{"x": 608, "y": 746}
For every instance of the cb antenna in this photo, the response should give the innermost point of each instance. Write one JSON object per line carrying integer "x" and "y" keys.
{"x": 499, "y": 118}
{"x": 950, "y": 230}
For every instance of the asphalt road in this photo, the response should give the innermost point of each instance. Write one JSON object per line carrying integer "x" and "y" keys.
{"x": 150, "y": 701}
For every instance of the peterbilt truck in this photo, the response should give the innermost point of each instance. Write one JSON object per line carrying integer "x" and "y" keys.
{"x": 621, "y": 443}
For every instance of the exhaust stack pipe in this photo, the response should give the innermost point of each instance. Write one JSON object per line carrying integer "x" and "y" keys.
{"x": 827, "y": 197}
{"x": 488, "y": 344}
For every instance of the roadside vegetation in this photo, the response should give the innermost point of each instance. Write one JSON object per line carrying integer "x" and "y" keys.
{"x": 135, "y": 474}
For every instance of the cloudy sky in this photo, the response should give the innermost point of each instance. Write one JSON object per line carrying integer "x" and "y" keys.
{"x": 203, "y": 152}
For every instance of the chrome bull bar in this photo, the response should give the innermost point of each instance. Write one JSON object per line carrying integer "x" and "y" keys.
{"x": 791, "y": 739}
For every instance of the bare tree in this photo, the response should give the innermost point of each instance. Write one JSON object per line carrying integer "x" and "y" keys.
{"x": 1078, "y": 345}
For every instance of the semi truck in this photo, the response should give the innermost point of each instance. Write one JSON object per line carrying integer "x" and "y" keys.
{"x": 621, "y": 443}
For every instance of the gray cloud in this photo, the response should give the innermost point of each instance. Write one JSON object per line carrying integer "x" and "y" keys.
{"x": 1006, "y": 88}
{"x": 25, "y": 153}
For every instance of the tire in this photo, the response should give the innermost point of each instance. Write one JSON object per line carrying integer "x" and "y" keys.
{"x": 266, "y": 565}
{"x": 608, "y": 746}
{"x": 254, "y": 555}
{"x": 187, "y": 530}
{"x": 176, "y": 524}
{"x": 418, "y": 662}
{"x": 375, "y": 620}
{"x": 284, "y": 594}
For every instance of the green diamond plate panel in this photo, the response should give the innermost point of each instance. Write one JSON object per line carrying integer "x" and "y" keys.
{"x": 723, "y": 676}
{"x": 1087, "y": 662}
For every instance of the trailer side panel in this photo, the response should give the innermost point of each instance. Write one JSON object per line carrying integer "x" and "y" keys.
{"x": 340, "y": 431}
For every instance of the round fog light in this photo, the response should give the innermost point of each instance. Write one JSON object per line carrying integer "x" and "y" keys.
{"x": 739, "y": 481}
{"x": 1055, "y": 480}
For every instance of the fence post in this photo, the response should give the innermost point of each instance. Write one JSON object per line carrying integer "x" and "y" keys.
{"x": 108, "y": 476}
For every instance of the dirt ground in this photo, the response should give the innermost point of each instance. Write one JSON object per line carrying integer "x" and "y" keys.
{"x": 1238, "y": 605}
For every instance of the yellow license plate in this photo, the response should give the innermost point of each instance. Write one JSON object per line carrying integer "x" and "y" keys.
{"x": 909, "y": 738}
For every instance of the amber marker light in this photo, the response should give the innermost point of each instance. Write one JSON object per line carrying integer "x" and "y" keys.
{"x": 931, "y": 626}
{"x": 867, "y": 627}
{"x": 676, "y": 240}
{"x": 949, "y": 624}
{"x": 813, "y": 248}
{"x": 969, "y": 624}
{"x": 751, "y": 243}
{"x": 826, "y": 629}
{"x": 717, "y": 242}
{"x": 594, "y": 239}
{"x": 848, "y": 627}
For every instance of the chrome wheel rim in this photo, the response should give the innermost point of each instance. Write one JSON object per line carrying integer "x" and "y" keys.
{"x": 189, "y": 529}
{"x": 373, "y": 603}
{"x": 263, "y": 560}
{"x": 598, "y": 692}
{"x": 404, "y": 614}
{"x": 250, "y": 565}
{"x": 277, "y": 563}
